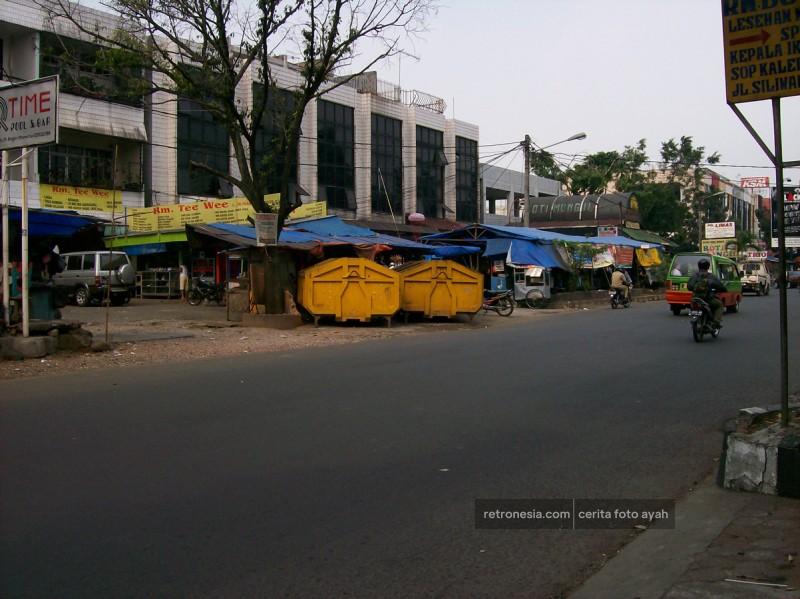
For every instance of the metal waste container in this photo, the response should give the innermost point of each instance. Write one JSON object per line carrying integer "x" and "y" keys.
{"x": 349, "y": 289}
{"x": 440, "y": 288}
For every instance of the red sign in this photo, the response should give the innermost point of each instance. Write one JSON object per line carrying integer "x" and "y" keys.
{"x": 754, "y": 182}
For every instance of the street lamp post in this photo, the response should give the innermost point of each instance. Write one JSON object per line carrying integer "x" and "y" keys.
{"x": 526, "y": 148}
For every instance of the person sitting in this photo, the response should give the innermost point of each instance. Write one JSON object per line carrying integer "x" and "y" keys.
{"x": 621, "y": 283}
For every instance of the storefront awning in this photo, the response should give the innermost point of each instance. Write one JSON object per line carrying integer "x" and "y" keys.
{"x": 146, "y": 239}
{"x": 51, "y": 223}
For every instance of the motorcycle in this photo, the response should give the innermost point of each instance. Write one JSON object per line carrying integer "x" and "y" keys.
{"x": 702, "y": 320}
{"x": 501, "y": 302}
{"x": 617, "y": 299}
{"x": 206, "y": 289}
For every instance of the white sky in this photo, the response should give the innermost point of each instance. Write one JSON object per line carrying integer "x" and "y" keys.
{"x": 620, "y": 70}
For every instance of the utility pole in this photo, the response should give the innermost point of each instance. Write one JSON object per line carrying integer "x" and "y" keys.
{"x": 526, "y": 180}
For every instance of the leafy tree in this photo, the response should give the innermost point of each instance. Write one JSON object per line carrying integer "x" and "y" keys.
{"x": 764, "y": 225}
{"x": 660, "y": 208}
{"x": 597, "y": 170}
{"x": 681, "y": 161}
{"x": 203, "y": 50}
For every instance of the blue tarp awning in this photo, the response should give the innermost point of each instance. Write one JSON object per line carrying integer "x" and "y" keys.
{"x": 331, "y": 226}
{"x": 626, "y": 241}
{"x": 145, "y": 248}
{"x": 529, "y": 234}
{"x": 301, "y": 236}
{"x": 51, "y": 223}
{"x": 526, "y": 253}
{"x": 454, "y": 251}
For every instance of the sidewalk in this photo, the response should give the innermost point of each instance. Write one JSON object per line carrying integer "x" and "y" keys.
{"x": 720, "y": 536}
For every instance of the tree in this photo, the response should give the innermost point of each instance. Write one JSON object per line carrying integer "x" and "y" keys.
{"x": 597, "y": 170}
{"x": 764, "y": 225}
{"x": 681, "y": 162}
{"x": 660, "y": 208}
{"x": 202, "y": 51}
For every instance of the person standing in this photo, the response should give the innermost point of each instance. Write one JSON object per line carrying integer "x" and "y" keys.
{"x": 183, "y": 283}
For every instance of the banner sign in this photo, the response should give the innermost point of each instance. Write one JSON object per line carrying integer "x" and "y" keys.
{"x": 754, "y": 182}
{"x": 720, "y": 247}
{"x": 607, "y": 231}
{"x": 761, "y": 41}
{"x": 753, "y": 256}
{"x": 308, "y": 210}
{"x": 266, "y": 228}
{"x": 725, "y": 230}
{"x": 791, "y": 219}
{"x": 175, "y": 216}
{"x": 89, "y": 199}
{"x": 29, "y": 113}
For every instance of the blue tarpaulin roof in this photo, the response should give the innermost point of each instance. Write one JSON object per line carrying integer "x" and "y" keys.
{"x": 51, "y": 223}
{"x": 323, "y": 234}
{"x": 626, "y": 241}
{"x": 530, "y": 234}
{"x": 454, "y": 251}
{"x": 527, "y": 253}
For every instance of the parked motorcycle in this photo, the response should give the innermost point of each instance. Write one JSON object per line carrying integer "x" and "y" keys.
{"x": 206, "y": 289}
{"x": 702, "y": 320}
{"x": 501, "y": 302}
{"x": 617, "y": 299}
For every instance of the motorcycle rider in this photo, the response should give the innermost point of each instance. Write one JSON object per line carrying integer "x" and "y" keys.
{"x": 703, "y": 284}
{"x": 621, "y": 283}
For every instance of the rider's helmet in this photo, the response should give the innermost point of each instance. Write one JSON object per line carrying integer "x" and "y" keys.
{"x": 704, "y": 264}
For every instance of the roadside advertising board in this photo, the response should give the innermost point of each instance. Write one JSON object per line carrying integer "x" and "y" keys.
{"x": 88, "y": 199}
{"x": 754, "y": 182}
{"x": 725, "y": 230}
{"x": 753, "y": 256}
{"x": 761, "y": 39}
{"x": 791, "y": 219}
{"x": 29, "y": 113}
{"x": 607, "y": 231}
{"x": 719, "y": 247}
{"x": 169, "y": 217}
{"x": 266, "y": 228}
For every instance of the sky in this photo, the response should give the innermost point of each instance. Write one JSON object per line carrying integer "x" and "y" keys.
{"x": 619, "y": 70}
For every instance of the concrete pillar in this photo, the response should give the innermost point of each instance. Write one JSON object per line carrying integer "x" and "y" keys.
{"x": 307, "y": 169}
{"x": 362, "y": 119}
{"x": 410, "y": 161}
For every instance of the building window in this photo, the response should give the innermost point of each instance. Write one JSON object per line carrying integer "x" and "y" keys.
{"x": 466, "y": 180}
{"x": 335, "y": 155}
{"x": 201, "y": 140}
{"x": 280, "y": 104}
{"x": 73, "y": 165}
{"x": 387, "y": 165}
{"x": 84, "y": 69}
{"x": 430, "y": 172}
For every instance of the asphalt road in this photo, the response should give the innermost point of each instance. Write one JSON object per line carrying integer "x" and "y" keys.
{"x": 353, "y": 470}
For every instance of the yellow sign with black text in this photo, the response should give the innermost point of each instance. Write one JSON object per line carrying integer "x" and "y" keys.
{"x": 176, "y": 216}
{"x": 761, "y": 39}
{"x": 88, "y": 199}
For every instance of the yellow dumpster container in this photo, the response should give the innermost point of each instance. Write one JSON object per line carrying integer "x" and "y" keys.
{"x": 349, "y": 289}
{"x": 440, "y": 288}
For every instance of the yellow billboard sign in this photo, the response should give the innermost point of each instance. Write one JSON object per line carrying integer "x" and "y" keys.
{"x": 68, "y": 197}
{"x": 308, "y": 210}
{"x": 176, "y": 216}
{"x": 761, "y": 39}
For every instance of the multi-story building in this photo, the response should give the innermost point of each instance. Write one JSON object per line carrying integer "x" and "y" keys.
{"x": 371, "y": 150}
{"x": 734, "y": 202}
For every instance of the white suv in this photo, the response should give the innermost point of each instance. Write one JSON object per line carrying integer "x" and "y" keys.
{"x": 87, "y": 275}
{"x": 756, "y": 278}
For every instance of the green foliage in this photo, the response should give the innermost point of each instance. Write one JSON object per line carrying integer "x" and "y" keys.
{"x": 577, "y": 255}
{"x": 597, "y": 170}
{"x": 764, "y": 225}
{"x": 681, "y": 162}
{"x": 660, "y": 208}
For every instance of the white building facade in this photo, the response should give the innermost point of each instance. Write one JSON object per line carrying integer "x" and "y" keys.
{"x": 369, "y": 149}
